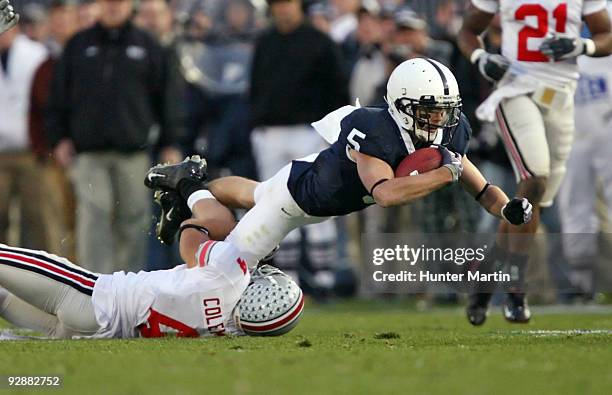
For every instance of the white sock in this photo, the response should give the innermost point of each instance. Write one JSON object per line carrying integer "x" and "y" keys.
{"x": 197, "y": 196}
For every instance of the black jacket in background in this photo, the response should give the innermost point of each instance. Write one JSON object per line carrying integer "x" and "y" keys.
{"x": 110, "y": 87}
{"x": 296, "y": 78}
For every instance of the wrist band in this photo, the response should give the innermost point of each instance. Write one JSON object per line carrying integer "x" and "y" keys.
{"x": 197, "y": 196}
{"x": 482, "y": 192}
{"x": 193, "y": 226}
{"x": 377, "y": 184}
{"x": 589, "y": 47}
{"x": 476, "y": 54}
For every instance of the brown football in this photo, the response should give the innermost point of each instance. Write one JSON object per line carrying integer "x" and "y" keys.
{"x": 420, "y": 161}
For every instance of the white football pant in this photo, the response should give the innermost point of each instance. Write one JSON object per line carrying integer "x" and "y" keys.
{"x": 274, "y": 147}
{"x": 538, "y": 141}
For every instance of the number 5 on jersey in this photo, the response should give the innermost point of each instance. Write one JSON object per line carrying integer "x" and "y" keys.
{"x": 352, "y": 143}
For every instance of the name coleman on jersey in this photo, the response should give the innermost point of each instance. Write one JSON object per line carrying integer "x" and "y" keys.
{"x": 212, "y": 312}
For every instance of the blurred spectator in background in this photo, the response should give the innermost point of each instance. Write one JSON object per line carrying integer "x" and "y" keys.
{"x": 387, "y": 17}
{"x": 320, "y": 16}
{"x": 112, "y": 88}
{"x": 217, "y": 69}
{"x": 228, "y": 131}
{"x": 239, "y": 22}
{"x": 155, "y": 16}
{"x": 89, "y": 12}
{"x": 345, "y": 21}
{"x": 58, "y": 205}
{"x": 446, "y": 21}
{"x": 369, "y": 70}
{"x": 19, "y": 172}
{"x": 33, "y": 22}
{"x": 297, "y": 78}
{"x": 200, "y": 25}
{"x": 411, "y": 34}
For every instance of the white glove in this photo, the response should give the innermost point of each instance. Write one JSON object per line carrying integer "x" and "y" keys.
{"x": 559, "y": 46}
{"x": 8, "y": 17}
{"x": 452, "y": 161}
{"x": 491, "y": 66}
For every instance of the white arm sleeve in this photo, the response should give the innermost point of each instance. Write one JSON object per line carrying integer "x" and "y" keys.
{"x": 490, "y": 6}
{"x": 593, "y": 6}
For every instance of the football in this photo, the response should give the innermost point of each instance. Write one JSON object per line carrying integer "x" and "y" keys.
{"x": 420, "y": 161}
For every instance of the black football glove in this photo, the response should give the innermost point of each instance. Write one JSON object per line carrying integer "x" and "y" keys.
{"x": 492, "y": 66}
{"x": 562, "y": 47}
{"x": 452, "y": 161}
{"x": 517, "y": 211}
{"x": 8, "y": 17}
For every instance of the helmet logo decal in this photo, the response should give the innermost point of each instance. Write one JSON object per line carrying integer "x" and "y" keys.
{"x": 242, "y": 265}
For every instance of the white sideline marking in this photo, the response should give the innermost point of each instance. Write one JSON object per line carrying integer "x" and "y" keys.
{"x": 9, "y": 334}
{"x": 559, "y": 332}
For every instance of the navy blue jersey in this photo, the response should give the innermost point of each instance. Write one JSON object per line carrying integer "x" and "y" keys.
{"x": 331, "y": 186}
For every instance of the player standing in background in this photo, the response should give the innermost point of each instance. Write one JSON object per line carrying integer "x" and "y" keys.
{"x": 8, "y": 17}
{"x": 533, "y": 106}
{"x": 587, "y": 169}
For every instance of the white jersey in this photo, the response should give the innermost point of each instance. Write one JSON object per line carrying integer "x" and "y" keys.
{"x": 526, "y": 23}
{"x": 593, "y": 98}
{"x": 190, "y": 302}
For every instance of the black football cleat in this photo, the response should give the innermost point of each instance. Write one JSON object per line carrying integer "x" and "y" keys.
{"x": 167, "y": 177}
{"x": 174, "y": 211}
{"x": 516, "y": 309}
{"x": 478, "y": 308}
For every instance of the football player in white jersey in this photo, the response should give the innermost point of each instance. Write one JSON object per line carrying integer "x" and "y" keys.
{"x": 213, "y": 293}
{"x": 8, "y": 17}
{"x": 532, "y": 104}
{"x": 587, "y": 169}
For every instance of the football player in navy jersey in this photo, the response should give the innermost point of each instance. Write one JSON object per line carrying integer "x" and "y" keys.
{"x": 357, "y": 170}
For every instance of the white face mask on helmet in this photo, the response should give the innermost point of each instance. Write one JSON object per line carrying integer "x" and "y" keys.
{"x": 423, "y": 98}
{"x": 271, "y": 305}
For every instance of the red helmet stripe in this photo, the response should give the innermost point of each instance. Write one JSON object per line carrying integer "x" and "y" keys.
{"x": 279, "y": 324}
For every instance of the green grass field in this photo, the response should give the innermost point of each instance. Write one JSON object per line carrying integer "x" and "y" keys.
{"x": 348, "y": 348}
